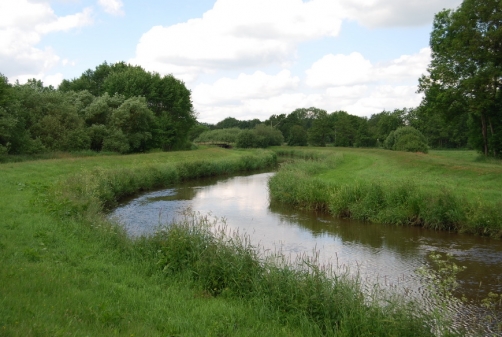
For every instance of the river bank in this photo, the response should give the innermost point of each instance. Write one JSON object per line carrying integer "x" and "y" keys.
{"x": 441, "y": 190}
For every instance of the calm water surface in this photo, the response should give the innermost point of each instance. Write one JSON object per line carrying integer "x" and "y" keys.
{"x": 388, "y": 255}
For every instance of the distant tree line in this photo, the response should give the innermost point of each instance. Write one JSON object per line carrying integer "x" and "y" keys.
{"x": 316, "y": 127}
{"x": 116, "y": 107}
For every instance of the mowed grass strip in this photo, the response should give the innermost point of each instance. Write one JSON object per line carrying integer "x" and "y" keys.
{"x": 451, "y": 190}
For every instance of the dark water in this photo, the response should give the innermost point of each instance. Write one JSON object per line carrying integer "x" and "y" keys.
{"x": 383, "y": 254}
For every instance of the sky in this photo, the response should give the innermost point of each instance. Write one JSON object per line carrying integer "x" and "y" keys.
{"x": 240, "y": 58}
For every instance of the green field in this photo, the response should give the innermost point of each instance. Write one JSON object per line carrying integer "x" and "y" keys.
{"x": 67, "y": 272}
{"x": 452, "y": 190}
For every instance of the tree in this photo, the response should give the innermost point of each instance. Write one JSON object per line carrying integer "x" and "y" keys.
{"x": 465, "y": 73}
{"x": 297, "y": 136}
{"x": 321, "y": 130}
{"x": 134, "y": 120}
{"x": 406, "y": 138}
{"x": 167, "y": 97}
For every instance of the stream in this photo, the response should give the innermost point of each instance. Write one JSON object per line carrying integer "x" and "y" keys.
{"x": 379, "y": 254}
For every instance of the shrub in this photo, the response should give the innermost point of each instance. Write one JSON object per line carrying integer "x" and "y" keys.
{"x": 221, "y": 135}
{"x": 246, "y": 139}
{"x": 406, "y": 138}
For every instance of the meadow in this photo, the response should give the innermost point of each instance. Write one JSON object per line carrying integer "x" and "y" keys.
{"x": 443, "y": 190}
{"x": 66, "y": 270}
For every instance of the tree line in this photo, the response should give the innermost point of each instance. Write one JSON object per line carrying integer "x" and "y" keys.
{"x": 116, "y": 107}
{"x": 316, "y": 127}
{"x": 123, "y": 108}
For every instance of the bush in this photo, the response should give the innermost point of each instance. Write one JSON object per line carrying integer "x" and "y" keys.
{"x": 116, "y": 141}
{"x": 261, "y": 136}
{"x": 406, "y": 138}
{"x": 220, "y": 135}
{"x": 247, "y": 139}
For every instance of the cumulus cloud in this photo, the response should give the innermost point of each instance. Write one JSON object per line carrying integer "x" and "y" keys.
{"x": 261, "y": 108}
{"x": 237, "y": 34}
{"x": 232, "y": 91}
{"x": 333, "y": 70}
{"x": 342, "y": 70}
{"x": 384, "y": 97}
{"x": 113, "y": 7}
{"x": 245, "y": 96}
{"x": 395, "y": 13}
{"x": 334, "y": 82}
{"x": 22, "y": 26}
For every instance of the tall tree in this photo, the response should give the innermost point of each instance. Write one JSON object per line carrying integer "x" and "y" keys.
{"x": 465, "y": 73}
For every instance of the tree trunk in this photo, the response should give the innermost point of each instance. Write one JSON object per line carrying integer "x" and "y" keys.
{"x": 493, "y": 134}
{"x": 483, "y": 130}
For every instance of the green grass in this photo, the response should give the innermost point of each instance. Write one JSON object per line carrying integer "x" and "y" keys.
{"x": 65, "y": 271}
{"x": 452, "y": 190}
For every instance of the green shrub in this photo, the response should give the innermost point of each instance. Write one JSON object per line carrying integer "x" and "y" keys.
{"x": 246, "y": 139}
{"x": 406, "y": 138}
{"x": 219, "y": 136}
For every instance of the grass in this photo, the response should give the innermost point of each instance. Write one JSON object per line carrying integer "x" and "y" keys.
{"x": 450, "y": 190}
{"x": 68, "y": 272}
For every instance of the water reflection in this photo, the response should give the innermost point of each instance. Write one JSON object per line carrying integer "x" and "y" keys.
{"x": 385, "y": 254}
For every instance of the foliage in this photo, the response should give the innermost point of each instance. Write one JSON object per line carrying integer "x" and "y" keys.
{"x": 166, "y": 96}
{"x": 116, "y": 107}
{"x": 219, "y": 135}
{"x": 465, "y": 74}
{"x": 231, "y": 122}
{"x": 321, "y": 129}
{"x": 246, "y": 139}
{"x": 297, "y": 136}
{"x": 406, "y": 138}
{"x": 267, "y": 136}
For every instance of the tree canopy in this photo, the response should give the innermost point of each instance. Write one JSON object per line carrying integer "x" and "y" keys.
{"x": 465, "y": 74}
{"x": 116, "y": 107}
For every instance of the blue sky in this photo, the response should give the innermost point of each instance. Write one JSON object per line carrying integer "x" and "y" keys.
{"x": 241, "y": 58}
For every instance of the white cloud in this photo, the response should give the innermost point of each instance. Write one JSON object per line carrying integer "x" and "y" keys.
{"x": 113, "y": 7}
{"x": 245, "y": 97}
{"x": 359, "y": 87}
{"x": 22, "y": 26}
{"x": 342, "y": 70}
{"x": 232, "y": 91}
{"x": 335, "y": 82}
{"x": 237, "y": 34}
{"x": 261, "y": 108}
{"x": 395, "y": 13}
{"x": 54, "y": 80}
{"x": 384, "y": 97}
{"x": 334, "y": 70}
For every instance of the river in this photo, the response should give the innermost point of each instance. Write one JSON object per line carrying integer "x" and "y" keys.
{"x": 383, "y": 254}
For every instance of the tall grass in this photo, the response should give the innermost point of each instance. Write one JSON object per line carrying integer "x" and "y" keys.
{"x": 402, "y": 201}
{"x": 299, "y": 293}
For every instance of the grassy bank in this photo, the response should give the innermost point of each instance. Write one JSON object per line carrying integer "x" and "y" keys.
{"x": 447, "y": 190}
{"x": 68, "y": 272}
